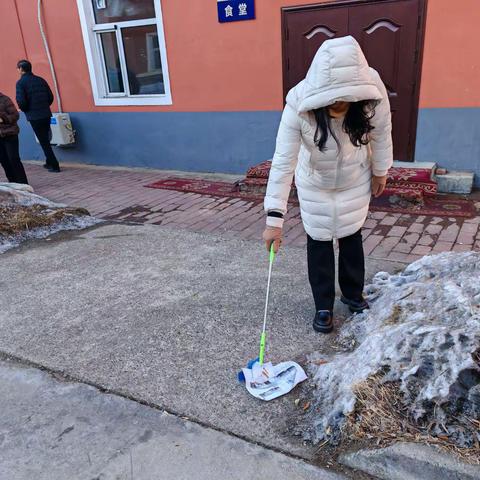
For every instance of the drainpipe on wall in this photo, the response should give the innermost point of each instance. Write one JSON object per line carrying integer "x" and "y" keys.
{"x": 47, "y": 50}
{"x": 21, "y": 29}
{"x": 61, "y": 126}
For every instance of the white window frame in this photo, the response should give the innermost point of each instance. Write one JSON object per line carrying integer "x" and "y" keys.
{"x": 96, "y": 65}
{"x": 103, "y": 66}
{"x": 150, "y": 51}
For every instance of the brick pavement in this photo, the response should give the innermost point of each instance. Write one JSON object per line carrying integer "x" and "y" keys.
{"x": 119, "y": 194}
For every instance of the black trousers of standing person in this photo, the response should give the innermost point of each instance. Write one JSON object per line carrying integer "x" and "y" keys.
{"x": 321, "y": 269}
{"x": 10, "y": 159}
{"x": 42, "y": 131}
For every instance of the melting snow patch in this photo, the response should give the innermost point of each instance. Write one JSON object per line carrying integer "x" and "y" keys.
{"x": 21, "y": 208}
{"x": 67, "y": 223}
{"x": 423, "y": 333}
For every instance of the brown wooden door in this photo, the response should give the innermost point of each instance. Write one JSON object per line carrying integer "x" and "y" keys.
{"x": 390, "y": 33}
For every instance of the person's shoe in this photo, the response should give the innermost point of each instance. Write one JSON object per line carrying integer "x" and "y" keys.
{"x": 323, "y": 321}
{"x": 355, "y": 306}
{"x": 54, "y": 169}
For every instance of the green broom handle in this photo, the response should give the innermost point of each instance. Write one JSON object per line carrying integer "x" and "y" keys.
{"x": 263, "y": 337}
{"x": 262, "y": 347}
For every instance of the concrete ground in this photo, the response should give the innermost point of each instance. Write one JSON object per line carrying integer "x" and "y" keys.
{"x": 166, "y": 317}
{"x": 162, "y": 313}
{"x": 51, "y": 429}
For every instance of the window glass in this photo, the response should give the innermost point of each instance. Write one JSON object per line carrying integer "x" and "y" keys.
{"x": 112, "y": 62}
{"x": 142, "y": 56}
{"x": 107, "y": 11}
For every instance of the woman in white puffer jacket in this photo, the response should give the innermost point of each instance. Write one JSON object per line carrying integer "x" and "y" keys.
{"x": 335, "y": 137}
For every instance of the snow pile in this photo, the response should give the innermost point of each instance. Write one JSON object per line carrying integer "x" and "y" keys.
{"x": 21, "y": 194}
{"x": 422, "y": 332}
{"x": 20, "y": 208}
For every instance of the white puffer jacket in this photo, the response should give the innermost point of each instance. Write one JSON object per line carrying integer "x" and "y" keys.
{"x": 334, "y": 186}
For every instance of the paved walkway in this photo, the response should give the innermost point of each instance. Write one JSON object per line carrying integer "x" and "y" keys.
{"x": 54, "y": 430}
{"x": 120, "y": 194}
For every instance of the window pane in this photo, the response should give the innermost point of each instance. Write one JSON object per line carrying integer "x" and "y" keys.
{"x": 107, "y": 11}
{"x": 112, "y": 62}
{"x": 142, "y": 55}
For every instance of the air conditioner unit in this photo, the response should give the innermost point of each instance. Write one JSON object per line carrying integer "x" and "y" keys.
{"x": 62, "y": 130}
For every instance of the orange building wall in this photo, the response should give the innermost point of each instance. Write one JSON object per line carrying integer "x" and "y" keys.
{"x": 230, "y": 67}
{"x": 451, "y": 61}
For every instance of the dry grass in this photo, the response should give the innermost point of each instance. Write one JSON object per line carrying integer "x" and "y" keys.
{"x": 394, "y": 318}
{"x": 15, "y": 219}
{"x": 381, "y": 418}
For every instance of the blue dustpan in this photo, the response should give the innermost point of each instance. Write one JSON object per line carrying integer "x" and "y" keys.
{"x": 250, "y": 364}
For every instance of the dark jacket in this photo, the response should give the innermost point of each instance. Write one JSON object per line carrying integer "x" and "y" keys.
{"x": 9, "y": 115}
{"x": 34, "y": 97}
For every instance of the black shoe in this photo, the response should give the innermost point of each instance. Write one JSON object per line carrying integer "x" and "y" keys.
{"x": 355, "y": 306}
{"x": 323, "y": 321}
{"x": 54, "y": 169}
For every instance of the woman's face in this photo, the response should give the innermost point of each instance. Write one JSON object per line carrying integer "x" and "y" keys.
{"x": 339, "y": 107}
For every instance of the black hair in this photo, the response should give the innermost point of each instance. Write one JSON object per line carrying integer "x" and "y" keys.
{"x": 25, "y": 65}
{"x": 356, "y": 123}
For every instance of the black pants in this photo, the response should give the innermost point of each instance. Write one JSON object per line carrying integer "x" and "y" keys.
{"x": 42, "y": 131}
{"x": 10, "y": 159}
{"x": 321, "y": 269}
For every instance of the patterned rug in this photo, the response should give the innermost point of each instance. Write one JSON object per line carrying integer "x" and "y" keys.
{"x": 418, "y": 179}
{"x": 395, "y": 199}
{"x": 408, "y": 202}
{"x": 206, "y": 187}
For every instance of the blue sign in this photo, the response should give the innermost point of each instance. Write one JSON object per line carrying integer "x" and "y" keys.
{"x": 235, "y": 10}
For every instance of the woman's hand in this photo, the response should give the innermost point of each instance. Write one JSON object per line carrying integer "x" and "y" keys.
{"x": 272, "y": 235}
{"x": 378, "y": 185}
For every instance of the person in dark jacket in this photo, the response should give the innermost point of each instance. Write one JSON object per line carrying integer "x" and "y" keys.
{"x": 9, "y": 154}
{"x": 34, "y": 98}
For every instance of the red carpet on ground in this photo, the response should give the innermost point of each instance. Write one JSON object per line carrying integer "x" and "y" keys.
{"x": 395, "y": 199}
{"x": 415, "y": 179}
{"x": 432, "y": 205}
{"x": 418, "y": 179}
{"x": 205, "y": 187}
